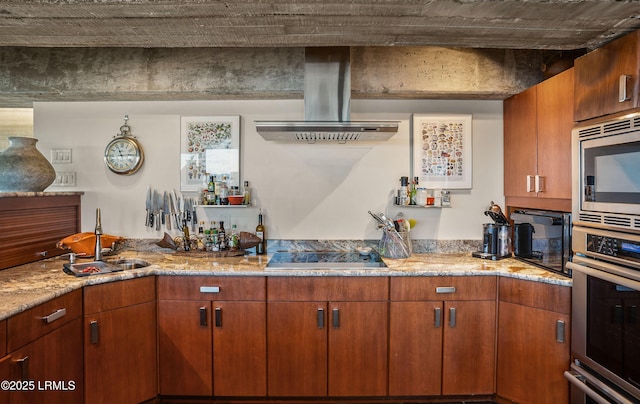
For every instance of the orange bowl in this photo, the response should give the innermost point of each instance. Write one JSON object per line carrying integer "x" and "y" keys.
{"x": 236, "y": 199}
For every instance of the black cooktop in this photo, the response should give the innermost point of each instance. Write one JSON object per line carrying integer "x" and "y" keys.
{"x": 325, "y": 259}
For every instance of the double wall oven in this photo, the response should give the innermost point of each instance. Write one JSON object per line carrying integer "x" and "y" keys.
{"x": 605, "y": 267}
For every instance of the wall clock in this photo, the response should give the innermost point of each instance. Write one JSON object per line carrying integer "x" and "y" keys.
{"x": 123, "y": 154}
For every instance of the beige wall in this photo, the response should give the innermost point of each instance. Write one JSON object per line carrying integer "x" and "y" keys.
{"x": 15, "y": 122}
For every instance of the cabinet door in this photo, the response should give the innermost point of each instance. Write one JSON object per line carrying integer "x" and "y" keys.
{"x": 239, "y": 349}
{"x": 415, "y": 348}
{"x": 598, "y": 78}
{"x": 120, "y": 355}
{"x": 531, "y": 360}
{"x": 520, "y": 143}
{"x": 468, "y": 361}
{"x": 53, "y": 363}
{"x": 358, "y": 349}
{"x": 185, "y": 348}
{"x": 297, "y": 349}
{"x": 554, "y": 106}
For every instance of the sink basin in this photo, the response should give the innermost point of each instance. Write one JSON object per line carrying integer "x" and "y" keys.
{"x": 130, "y": 263}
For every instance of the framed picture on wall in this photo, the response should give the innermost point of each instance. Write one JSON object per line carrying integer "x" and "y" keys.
{"x": 441, "y": 150}
{"x": 209, "y": 145}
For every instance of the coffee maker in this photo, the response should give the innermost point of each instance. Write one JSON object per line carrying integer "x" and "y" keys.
{"x": 496, "y": 236}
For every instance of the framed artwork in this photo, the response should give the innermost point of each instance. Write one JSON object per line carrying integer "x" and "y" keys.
{"x": 441, "y": 150}
{"x": 209, "y": 146}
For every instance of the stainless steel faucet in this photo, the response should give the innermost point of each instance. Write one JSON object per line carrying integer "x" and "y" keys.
{"x": 98, "y": 232}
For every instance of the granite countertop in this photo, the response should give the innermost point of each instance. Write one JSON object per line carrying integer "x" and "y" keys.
{"x": 28, "y": 285}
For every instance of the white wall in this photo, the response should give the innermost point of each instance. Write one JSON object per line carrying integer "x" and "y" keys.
{"x": 305, "y": 191}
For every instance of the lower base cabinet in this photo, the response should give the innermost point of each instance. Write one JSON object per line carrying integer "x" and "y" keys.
{"x": 533, "y": 342}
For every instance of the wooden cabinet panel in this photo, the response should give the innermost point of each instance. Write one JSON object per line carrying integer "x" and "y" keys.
{"x": 239, "y": 349}
{"x": 109, "y": 296}
{"x": 5, "y": 374}
{"x": 598, "y": 77}
{"x": 229, "y": 288}
{"x": 53, "y": 358}
{"x": 531, "y": 362}
{"x": 297, "y": 349}
{"x": 338, "y": 288}
{"x": 3, "y": 338}
{"x": 185, "y": 348}
{"x": 536, "y": 294}
{"x": 30, "y": 227}
{"x": 31, "y": 324}
{"x": 415, "y": 349}
{"x": 469, "y": 348}
{"x": 451, "y": 288}
{"x": 358, "y": 349}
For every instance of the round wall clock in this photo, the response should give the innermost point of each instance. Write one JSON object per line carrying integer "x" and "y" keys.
{"x": 123, "y": 154}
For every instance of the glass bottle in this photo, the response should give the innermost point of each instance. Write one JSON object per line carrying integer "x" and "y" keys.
{"x": 222, "y": 237}
{"x": 224, "y": 192}
{"x": 246, "y": 191}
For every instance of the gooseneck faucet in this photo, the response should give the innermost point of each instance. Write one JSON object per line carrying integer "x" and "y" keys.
{"x": 98, "y": 232}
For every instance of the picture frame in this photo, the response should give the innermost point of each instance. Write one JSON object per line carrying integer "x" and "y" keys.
{"x": 209, "y": 145}
{"x": 441, "y": 150}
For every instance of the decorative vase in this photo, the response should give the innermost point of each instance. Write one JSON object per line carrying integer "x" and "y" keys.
{"x": 23, "y": 168}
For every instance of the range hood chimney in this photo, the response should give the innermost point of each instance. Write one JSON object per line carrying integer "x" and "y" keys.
{"x": 327, "y": 98}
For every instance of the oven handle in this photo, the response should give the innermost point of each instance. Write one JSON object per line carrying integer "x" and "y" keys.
{"x": 602, "y": 270}
{"x": 578, "y": 379}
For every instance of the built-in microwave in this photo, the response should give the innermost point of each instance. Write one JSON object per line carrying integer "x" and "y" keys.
{"x": 606, "y": 186}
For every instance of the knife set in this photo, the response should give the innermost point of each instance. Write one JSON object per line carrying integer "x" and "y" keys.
{"x": 169, "y": 210}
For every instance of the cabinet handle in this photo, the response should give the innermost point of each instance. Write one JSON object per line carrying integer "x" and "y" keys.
{"x": 23, "y": 364}
{"x": 560, "y": 331}
{"x": 446, "y": 289}
{"x": 320, "y": 318}
{"x": 452, "y": 317}
{"x": 55, "y": 316}
{"x": 539, "y": 183}
{"x": 618, "y": 314}
{"x": 209, "y": 289}
{"x": 530, "y": 185}
{"x": 437, "y": 313}
{"x": 623, "y": 95}
{"x": 203, "y": 316}
{"x": 93, "y": 331}
{"x": 633, "y": 314}
{"x": 336, "y": 318}
{"x": 218, "y": 314}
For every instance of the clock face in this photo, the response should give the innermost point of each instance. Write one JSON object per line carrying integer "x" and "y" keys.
{"x": 123, "y": 155}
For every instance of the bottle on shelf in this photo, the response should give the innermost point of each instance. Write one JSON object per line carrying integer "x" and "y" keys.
{"x": 224, "y": 192}
{"x": 246, "y": 191}
{"x": 210, "y": 192}
{"x": 261, "y": 248}
{"x": 222, "y": 237}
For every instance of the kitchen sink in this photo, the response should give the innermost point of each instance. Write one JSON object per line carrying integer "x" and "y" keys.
{"x": 104, "y": 267}
{"x": 130, "y": 263}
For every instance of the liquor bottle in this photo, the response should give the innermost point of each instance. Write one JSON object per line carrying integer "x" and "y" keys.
{"x": 247, "y": 194}
{"x": 224, "y": 192}
{"x": 222, "y": 239}
{"x": 261, "y": 248}
{"x": 210, "y": 191}
{"x": 234, "y": 238}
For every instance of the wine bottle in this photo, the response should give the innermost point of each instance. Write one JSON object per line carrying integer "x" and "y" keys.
{"x": 261, "y": 248}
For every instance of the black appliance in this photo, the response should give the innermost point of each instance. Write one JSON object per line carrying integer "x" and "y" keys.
{"x": 496, "y": 237}
{"x": 543, "y": 238}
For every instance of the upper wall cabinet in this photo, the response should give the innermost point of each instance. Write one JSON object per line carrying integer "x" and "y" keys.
{"x": 606, "y": 79}
{"x": 537, "y": 145}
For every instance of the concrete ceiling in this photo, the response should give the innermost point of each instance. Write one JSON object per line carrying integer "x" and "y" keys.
{"x": 509, "y": 24}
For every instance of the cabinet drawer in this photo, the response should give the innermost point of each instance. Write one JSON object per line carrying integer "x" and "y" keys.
{"x": 535, "y": 294}
{"x": 3, "y": 338}
{"x": 443, "y": 288}
{"x": 327, "y": 288}
{"x": 40, "y": 320}
{"x": 109, "y": 296}
{"x": 211, "y": 288}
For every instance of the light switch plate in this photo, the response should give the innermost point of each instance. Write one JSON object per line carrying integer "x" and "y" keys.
{"x": 65, "y": 179}
{"x": 60, "y": 156}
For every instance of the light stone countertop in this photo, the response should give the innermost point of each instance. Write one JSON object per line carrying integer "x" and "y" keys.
{"x": 28, "y": 285}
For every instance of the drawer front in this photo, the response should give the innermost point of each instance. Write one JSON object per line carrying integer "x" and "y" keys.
{"x": 109, "y": 296}
{"x": 417, "y": 288}
{"x": 33, "y": 323}
{"x": 536, "y": 294}
{"x": 339, "y": 288}
{"x": 211, "y": 288}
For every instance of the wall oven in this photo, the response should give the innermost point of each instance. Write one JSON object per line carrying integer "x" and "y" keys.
{"x": 605, "y": 317}
{"x": 606, "y": 190}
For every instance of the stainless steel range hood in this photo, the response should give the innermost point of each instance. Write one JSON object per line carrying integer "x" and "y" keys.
{"x": 327, "y": 97}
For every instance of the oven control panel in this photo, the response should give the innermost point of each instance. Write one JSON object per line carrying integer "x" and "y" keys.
{"x": 613, "y": 246}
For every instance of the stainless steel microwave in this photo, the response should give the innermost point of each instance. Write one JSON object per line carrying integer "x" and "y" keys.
{"x": 606, "y": 174}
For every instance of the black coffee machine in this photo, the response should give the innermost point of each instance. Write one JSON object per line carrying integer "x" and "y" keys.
{"x": 496, "y": 236}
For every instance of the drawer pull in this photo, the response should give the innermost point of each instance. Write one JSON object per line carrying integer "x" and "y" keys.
{"x": 218, "y": 312}
{"x": 446, "y": 289}
{"x": 23, "y": 364}
{"x": 336, "y": 318}
{"x": 320, "y": 318}
{"x": 623, "y": 94}
{"x": 203, "y": 316}
{"x": 209, "y": 289}
{"x": 452, "y": 317}
{"x": 437, "y": 313}
{"x": 560, "y": 331}
{"x": 93, "y": 332}
{"x": 58, "y": 314}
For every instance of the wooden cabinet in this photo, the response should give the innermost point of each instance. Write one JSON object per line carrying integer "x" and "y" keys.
{"x": 442, "y": 335}
{"x": 327, "y": 336}
{"x": 45, "y": 353}
{"x": 30, "y": 227}
{"x": 604, "y": 75}
{"x": 533, "y": 342}
{"x": 120, "y": 341}
{"x": 212, "y": 336}
{"x": 537, "y": 145}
